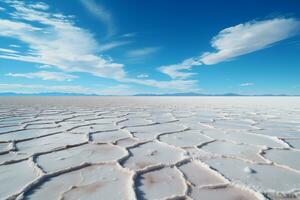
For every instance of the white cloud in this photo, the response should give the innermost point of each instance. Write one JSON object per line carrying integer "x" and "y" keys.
{"x": 44, "y": 66}
{"x": 246, "y": 84}
{"x": 55, "y": 40}
{"x": 249, "y": 37}
{"x": 142, "y": 52}
{"x": 14, "y": 46}
{"x": 111, "y": 45}
{"x": 236, "y": 41}
{"x": 120, "y": 89}
{"x": 178, "y": 85}
{"x": 32, "y": 89}
{"x": 45, "y": 75}
{"x": 127, "y": 35}
{"x": 100, "y": 13}
{"x": 7, "y": 50}
{"x": 176, "y": 71}
{"x": 40, "y": 5}
{"x": 2, "y": 9}
{"x": 142, "y": 76}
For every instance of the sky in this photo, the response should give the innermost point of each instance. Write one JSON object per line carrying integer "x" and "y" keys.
{"x": 127, "y": 47}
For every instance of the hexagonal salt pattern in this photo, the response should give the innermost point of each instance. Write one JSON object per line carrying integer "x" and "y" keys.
{"x": 152, "y": 153}
{"x": 150, "y": 148}
{"x": 90, "y": 153}
{"x": 161, "y": 184}
{"x": 261, "y": 177}
{"x": 106, "y": 181}
{"x": 285, "y": 157}
{"x": 15, "y": 176}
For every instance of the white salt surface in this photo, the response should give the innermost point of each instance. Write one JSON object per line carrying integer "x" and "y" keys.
{"x": 234, "y": 150}
{"x": 131, "y": 148}
{"x": 95, "y": 182}
{"x": 14, "y": 177}
{"x": 161, "y": 184}
{"x": 284, "y": 157}
{"x": 185, "y": 139}
{"x": 152, "y": 153}
{"x": 4, "y": 147}
{"x": 110, "y": 136}
{"x": 91, "y": 153}
{"x": 268, "y": 178}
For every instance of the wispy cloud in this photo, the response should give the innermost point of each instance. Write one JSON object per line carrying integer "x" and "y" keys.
{"x": 45, "y": 75}
{"x": 101, "y": 13}
{"x": 249, "y": 37}
{"x": 236, "y": 41}
{"x": 142, "y": 76}
{"x": 114, "y": 44}
{"x": 179, "y": 71}
{"x": 129, "y": 35}
{"x": 2, "y": 9}
{"x": 178, "y": 85}
{"x": 71, "y": 49}
{"x": 142, "y": 52}
{"x": 34, "y": 89}
{"x": 14, "y": 46}
{"x": 44, "y": 66}
{"x": 246, "y": 84}
{"x": 31, "y": 88}
{"x": 8, "y": 50}
{"x": 39, "y": 6}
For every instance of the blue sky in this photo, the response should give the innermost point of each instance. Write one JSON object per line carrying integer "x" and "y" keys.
{"x": 124, "y": 47}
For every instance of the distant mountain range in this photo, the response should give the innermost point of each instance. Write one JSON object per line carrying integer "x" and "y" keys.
{"x": 189, "y": 94}
{"x": 170, "y": 94}
{"x": 199, "y": 94}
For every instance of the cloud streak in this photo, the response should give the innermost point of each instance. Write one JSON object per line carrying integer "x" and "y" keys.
{"x": 45, "y": 75}
{"x": 179, "y": 85}
{"x": 246, "y": 84}
{"x": 129, "y": 35}
{"x": 35, "y": 89}
{"x": 55, "y": 40}
{"x": 249, "y": 37}
{"x": 137, "y": 53}
{"x": 142, "y": 76}
{"x": 179, "y": 71}
{"x": 111, "y": 45}
{"x": 237, "y": 41}
{"x": 101, "y": 13}
{"x": 7, "y": 50}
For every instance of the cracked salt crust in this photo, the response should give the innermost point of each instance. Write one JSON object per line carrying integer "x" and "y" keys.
{"x": 155, "y": 148}
{"x": 287, "y": 157}
{"x": 110, "y": 136}
{"x": 267, "y": 178}
{"x": 15, "y": 176}
{"x": 187, "y": 138}
{"x": 91, "y": 153}
{"x": 161, "y": 184}
{"x": 152, "y": 153}
{"x": 104, "y": 181}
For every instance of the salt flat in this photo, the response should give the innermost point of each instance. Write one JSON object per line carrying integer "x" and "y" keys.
{"x": 206, "y": 148}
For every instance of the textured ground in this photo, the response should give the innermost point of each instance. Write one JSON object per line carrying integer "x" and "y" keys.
{"x": 234, "y": 148}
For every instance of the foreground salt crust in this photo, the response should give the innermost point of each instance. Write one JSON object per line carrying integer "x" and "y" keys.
{"x": 150, "y": 148}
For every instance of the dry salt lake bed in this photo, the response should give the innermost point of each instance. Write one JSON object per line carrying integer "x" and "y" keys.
{"x": 202, "y": 148}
